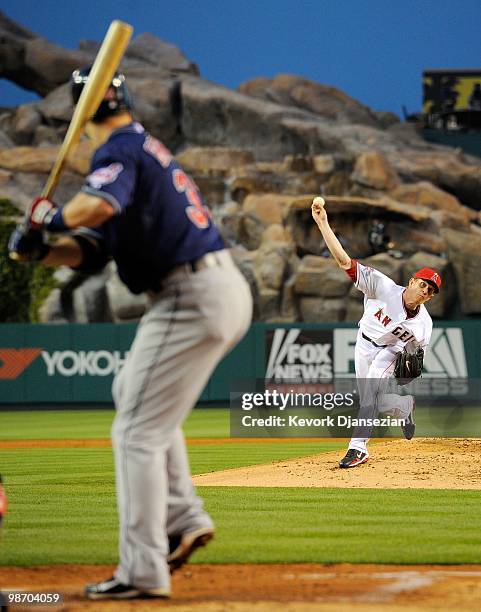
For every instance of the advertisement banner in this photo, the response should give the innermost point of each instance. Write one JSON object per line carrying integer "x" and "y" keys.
{"x": 77, "y": 363}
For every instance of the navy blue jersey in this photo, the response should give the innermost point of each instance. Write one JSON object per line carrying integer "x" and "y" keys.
{"x": 161, "y": 219}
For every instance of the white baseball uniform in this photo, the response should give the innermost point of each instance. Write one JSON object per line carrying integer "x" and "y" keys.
{"x": 385, "y": 328}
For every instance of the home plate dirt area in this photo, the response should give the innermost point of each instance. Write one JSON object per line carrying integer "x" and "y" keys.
{"x": 259, "y": 588}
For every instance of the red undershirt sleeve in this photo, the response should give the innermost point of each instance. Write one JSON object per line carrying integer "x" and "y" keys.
{"x": 352, "y": 271}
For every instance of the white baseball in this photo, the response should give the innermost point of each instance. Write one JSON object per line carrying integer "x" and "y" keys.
{"x": 319, "y": 200}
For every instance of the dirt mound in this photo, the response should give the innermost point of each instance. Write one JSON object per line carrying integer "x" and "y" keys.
{"x": 434, "y": 463}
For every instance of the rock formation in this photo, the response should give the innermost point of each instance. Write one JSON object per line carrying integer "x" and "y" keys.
{"x": 259, "y": 156}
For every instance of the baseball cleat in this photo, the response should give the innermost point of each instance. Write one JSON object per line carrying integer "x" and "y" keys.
{"x": 113, "y": 589}
{"x": 409, "y": 426}
{"x": 353, "y": 458}
{"x": 181, "y": 547}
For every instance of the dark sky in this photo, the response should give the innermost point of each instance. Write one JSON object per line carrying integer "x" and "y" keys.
{"x": 374, "y": 50}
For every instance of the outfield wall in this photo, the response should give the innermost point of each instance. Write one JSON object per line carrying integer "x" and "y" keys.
{"x": 76, "y": 363}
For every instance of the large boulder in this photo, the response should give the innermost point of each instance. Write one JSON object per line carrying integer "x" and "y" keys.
{"x": 269, "y": 208}
{"x": 42, "y": 159}
{"x": 56, "y": 107}
{"x": 319, "y": 276}
{"x": 352, "y": 217}
{"x": 26, "y": 120}
{"x": 426, "y": 194}
{"x": 216, "y": 116}
{"x": 270, "y": 265}
{"x": 386, "y": 264}
{"x": 159, "y": 54}
{"x": 447, "y": 168}
{"x": 38, "y": 65}
{"x": 319, "y": 310}
{"x": 322, "y": 100}
{"x": 213, "y": 160}
{"x": 374, "y": 170}
{"x": 464, "y": 252}
{"x": 157, "y": 105}
{"x": 33, "y": 62}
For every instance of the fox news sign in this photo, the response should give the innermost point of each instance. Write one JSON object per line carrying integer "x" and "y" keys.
{"x": 305, "y": 355}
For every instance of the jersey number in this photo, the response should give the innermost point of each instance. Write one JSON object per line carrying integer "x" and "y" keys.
{"x": 196, "y": 211}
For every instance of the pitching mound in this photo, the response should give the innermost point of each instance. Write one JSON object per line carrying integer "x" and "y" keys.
{"x": 434, "y": 463}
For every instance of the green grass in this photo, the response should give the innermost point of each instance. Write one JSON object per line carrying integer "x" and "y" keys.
{"x": 91, "y": 424}
{"x": 221, "y": 457}
{"x": 70, "y": 517}
{"x": 63, "y": 510}
{"x": 344, "y": 525}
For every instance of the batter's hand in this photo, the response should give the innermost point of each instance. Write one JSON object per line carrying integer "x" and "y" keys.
{"x": 41, "y": 213}
{"x": 45, "y": 215}
{"x": 26, "y": 244}
{"x": 318, "y": 210}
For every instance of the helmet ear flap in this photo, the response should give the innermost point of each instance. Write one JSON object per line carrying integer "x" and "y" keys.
{"x": 116, "y": 100}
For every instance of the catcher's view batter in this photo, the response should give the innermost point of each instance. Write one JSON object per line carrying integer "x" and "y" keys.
{"x": 394, "y": 331}
{"x": 148, "y": 215}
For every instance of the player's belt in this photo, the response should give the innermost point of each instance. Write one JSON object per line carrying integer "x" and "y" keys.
{"x": 372, "y": 342}
{"x": 214, "y": 259}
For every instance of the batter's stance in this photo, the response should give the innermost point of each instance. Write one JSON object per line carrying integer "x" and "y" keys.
{"x": 395, "y": 321}
{"x": 140, "y": 208}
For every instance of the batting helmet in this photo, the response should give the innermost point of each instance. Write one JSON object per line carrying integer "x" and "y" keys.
{"x": 116, "y": 99}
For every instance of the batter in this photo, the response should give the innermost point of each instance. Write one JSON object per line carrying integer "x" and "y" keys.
{"x": 140, "y": 208}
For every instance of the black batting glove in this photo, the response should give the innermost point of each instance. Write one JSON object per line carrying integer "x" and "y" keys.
{"x": 26, "y": 244}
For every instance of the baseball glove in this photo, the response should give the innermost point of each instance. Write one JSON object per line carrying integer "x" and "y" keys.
{"x": 408, "y": 366}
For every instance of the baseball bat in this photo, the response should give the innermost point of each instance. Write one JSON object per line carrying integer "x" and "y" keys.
{"x": 103, "y": 69}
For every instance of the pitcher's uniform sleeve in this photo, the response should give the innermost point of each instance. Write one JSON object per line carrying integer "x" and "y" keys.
{"x": 371, "y": 282}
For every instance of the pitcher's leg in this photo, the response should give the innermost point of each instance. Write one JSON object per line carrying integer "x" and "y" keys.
{"x": 364, "y": 353}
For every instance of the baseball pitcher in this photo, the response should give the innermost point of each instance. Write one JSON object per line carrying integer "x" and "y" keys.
{"x": 394, "y": 332}
{"x": 141, "y": 209}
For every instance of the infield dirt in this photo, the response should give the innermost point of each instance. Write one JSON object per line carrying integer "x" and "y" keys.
{"x": 259, "y": 588}
{"x": 426, "y": 463}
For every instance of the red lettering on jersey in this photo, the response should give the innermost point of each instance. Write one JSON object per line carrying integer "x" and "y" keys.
{"x": 378, "y": 314}
{"x": 386, "y": 321}
{"x": 160, "y": 152}
{"x": 197, "y": 212}
{"x": 180, "y": 180}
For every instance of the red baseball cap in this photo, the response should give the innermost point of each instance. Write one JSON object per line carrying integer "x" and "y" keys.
{"x": 430, "y": 276}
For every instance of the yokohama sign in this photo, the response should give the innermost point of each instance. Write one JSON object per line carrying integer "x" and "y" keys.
{"x": 13, "y": 362}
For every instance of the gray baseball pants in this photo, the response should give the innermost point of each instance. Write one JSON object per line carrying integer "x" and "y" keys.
{"x": 191, "y": 324}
